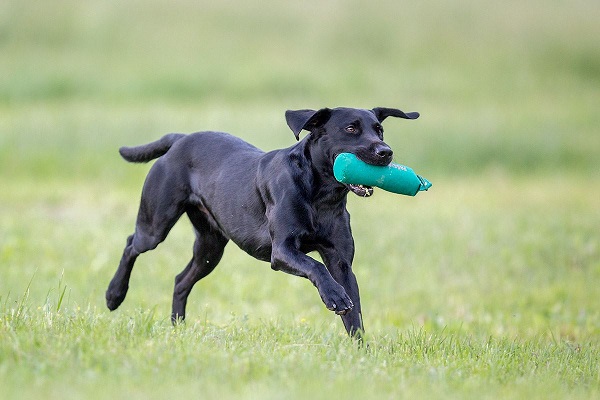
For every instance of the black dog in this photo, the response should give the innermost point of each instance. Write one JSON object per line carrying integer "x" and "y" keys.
{"x": 276, "y": 206}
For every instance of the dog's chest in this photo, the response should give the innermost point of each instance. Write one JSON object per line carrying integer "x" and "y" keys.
{"x": 326, "y": 223}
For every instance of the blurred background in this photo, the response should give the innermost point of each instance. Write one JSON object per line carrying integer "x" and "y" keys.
{"x": 510, "y": 85}
{"x": 509, "y": 135}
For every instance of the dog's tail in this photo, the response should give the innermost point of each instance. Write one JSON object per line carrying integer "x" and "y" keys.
{"x": 150, "y": 151}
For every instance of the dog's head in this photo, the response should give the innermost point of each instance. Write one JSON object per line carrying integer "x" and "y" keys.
{"x": 348, "y": 130}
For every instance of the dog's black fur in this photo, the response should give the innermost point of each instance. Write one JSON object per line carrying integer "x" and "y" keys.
{"x": 276, "y": 206}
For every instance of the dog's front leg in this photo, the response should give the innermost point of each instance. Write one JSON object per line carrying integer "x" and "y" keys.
{"x": 353, "y": 320}
{"x": 288, "y": 258}
{"x": 341, "y": 270}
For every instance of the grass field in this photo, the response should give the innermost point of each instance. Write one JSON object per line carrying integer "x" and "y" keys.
{"x": 485, "y": 287}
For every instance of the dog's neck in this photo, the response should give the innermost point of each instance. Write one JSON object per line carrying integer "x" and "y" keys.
{"x": 326, "y": 189}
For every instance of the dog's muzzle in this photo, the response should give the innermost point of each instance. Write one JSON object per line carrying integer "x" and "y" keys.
{"x": 378, "y": 154}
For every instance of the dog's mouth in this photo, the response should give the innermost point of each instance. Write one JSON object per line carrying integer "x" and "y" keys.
{"x": 360, "y": 190}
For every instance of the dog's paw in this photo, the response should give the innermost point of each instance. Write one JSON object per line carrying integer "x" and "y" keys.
{"x": 337, "y": 300}
{"x": 114, "y": 299}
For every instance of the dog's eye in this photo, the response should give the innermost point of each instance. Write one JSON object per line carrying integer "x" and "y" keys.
{"x": 351, "y": 129}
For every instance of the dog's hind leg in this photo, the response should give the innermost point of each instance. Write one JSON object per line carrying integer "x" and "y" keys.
{"x": 162, "y": 204}
{"x": 208, "y": 250}
{"x": 117, "y": 289}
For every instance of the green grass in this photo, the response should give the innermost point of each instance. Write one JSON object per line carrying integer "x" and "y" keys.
{"x": 79, "y": 353}
{"x": 480, "y": 294}
{"x": 483, "y": 287}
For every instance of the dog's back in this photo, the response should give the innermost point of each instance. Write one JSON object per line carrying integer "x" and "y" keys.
{"x": 216, "y": 173}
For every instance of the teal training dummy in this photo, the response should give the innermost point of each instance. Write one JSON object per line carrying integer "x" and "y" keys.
{"x": 395, "y": 178}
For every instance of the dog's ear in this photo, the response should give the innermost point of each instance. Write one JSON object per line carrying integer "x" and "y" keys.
{"x": 306, "y": 119}
{"x": 382, "y": 113}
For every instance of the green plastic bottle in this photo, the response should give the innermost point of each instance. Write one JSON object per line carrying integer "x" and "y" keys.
{"x": 395, "y": 178}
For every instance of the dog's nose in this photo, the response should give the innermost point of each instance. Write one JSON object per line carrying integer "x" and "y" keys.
{"x": 384, "y": 152}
